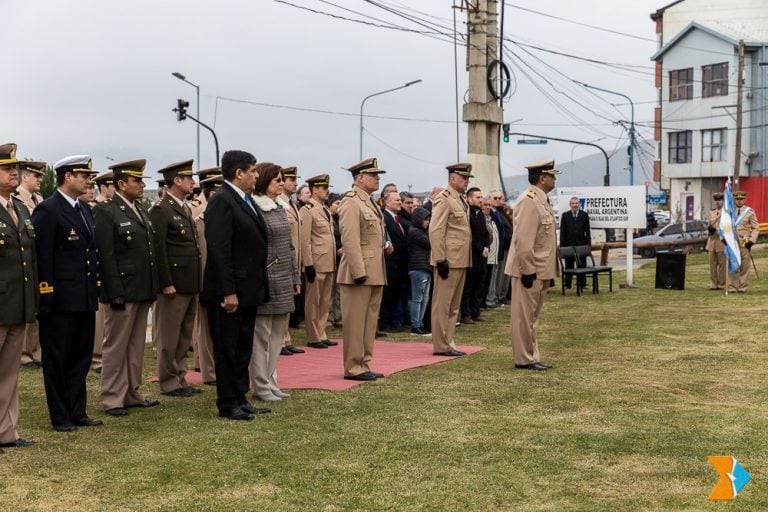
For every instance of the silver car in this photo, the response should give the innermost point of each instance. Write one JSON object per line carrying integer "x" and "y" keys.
{"x": 679, "y": 231}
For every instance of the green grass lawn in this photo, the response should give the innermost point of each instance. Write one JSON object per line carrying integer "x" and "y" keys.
{"x": 646, "y": 384}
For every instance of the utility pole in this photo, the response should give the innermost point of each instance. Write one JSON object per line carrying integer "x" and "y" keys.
{"x": 481, "y": 113}
{"x": 739, "y": 107}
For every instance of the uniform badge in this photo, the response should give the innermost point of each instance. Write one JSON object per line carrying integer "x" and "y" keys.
{"x": 122, "y": 208}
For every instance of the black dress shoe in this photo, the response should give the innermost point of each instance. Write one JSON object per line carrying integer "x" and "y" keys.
{"x": 85, "y": 421}
{"x": 236, "y": 414}
{"x": 97, "y": 370}
{"x": 250, "y": 409}
{"x": 294, "y": 350}
{"x": 285, "y": 352}
{"x": 450, "y": 353}
{"x": 377, "y": 374}
{"x": 365, "y": 376}
{"x": 545, "y": 365}
{"x": 19, "y": 443}
{"x": 478, "y": 319}
{"x": 65, "y": 427}
{"x": 533, "y": 366}
{"x": 418, "y": 331}
{"x": 144, "y": 403}
{"x": 30, "y": 366}
{"x": 179, "y": 392}
{"x": 117, "y": 411}
{"x": 381, "y": 334}
{"x": 330, "y": 343}
{"x": 210, "y": 383}
{"x": 317, "y": 344}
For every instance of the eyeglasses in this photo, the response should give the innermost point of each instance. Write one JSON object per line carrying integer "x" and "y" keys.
{"x": 279, "y": 180}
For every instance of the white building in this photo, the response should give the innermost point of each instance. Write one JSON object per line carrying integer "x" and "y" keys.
{"x": 697, "y": 81}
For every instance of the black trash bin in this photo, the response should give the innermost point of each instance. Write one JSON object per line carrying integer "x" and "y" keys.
{"x": 670, "y": 270}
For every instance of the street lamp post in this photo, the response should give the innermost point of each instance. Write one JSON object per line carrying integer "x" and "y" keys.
{"x": 631, "y": 128}
{"x": 371, "y": 96}
{"x": 197, "y": 87}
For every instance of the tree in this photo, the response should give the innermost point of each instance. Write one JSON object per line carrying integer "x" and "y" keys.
{"x": 48, "y": 185}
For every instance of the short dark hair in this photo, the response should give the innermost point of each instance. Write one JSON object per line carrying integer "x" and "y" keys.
{"x": 472, "y": 191}
{"x": 405, "y": 194}
{"x": 60, "y": 178}
{"x": 233, "y": 160}
{"x": 534, "y": 178}
{"x": 267, "y": 172}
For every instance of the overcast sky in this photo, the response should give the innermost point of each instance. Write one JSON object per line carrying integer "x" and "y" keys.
{"x": 94, "y": 76}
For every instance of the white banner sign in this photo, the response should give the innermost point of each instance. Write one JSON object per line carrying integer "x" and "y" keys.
{"x": 608, "y": 207}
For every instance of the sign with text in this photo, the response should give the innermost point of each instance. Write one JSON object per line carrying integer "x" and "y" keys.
{"x": 608, "y": 207}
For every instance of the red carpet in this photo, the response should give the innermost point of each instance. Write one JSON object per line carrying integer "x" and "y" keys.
{"x": 323, "y": 368}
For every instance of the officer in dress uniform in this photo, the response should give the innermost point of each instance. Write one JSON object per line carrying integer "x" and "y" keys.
{"x": 177, "y": 253}
{"x": 28, "y": 191}
{"x": 18, "y": 289}
{"x": 532, "y": 263}
{"x": 450, "y": 237}
{"x": 362, "y": 274}
{"x": 67, "y": 266}
{"x": 129, "y": 286}
{"x": 318, "y": 261}
{"x": 747, "y": 231}
{"x": 716, "y": 247}
{"x": 202, "y": 343}
{"x": 199, "y": 202}
{"x": 106, "y": 188}
{"x": 289, "y": 187}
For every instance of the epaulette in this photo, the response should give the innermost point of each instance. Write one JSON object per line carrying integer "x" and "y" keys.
{"x": 195, "y": 202}
{"x": 45, "y": 288}
{"x": 308, "y": 205}
{"x": 351, "y": 193}
{"x": 15, "y": 193}
{"x": 445, "y": 193}
{"x": 531, "y": 194}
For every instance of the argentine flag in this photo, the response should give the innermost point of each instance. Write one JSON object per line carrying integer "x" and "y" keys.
{"x": 726, "y": 232}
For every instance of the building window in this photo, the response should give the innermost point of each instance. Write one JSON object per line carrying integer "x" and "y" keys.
{"x": 714, "y": 80}
{"x": 681, "y": 84}
{"x": 680, "y": 147}
{"x": 713, "y": 145}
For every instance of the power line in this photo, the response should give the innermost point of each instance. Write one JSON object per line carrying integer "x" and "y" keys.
{"x": 393, "y": 148}
{"x": 330, "y": 112}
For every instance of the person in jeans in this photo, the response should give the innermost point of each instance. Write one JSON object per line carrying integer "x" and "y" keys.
{"x": 419, "y": 270}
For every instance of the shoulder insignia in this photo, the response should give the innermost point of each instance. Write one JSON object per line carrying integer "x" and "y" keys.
{"x": 45, "y": 287}
{"x": 445, "y": 193}
{"x": 308, "y": 206}
{"x": 531, "y": 194}
{"x": 15, "y": 193}
{"x": 195, "y": 202}
{"x": 351, "y": 193}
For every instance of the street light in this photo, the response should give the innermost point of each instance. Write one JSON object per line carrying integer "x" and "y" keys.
{"x": 197, "y": 87}
{"x": 631, "y": 128}
{"x": 371, "y": 96}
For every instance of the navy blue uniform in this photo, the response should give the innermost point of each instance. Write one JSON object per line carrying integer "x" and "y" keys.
{"x": 67, "y": 266}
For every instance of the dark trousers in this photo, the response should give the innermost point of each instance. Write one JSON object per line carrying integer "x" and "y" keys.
{"x": 390, "y": 302}
{"x": 472, "y": 296}
{"x": 581, "y": 281}
{"x": 67, "y": 343}
{"x": 232, "y": 337}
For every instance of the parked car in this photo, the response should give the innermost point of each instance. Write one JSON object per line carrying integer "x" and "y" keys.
{"x": 680, "y": 231}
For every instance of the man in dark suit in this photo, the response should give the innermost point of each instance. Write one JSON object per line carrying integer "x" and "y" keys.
{"x": 126, "y": 241}
{"x": 18, "y": 292}
{"x": 67, "y": 266}
{"x": 178, "y": 266}
{"x": 472, "y": 296}
{"x": 574, "y": 230}
{"x": 235, "y": 281}
{"x": 397, "y": 265}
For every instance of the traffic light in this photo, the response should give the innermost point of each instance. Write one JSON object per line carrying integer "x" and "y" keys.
{"x": 505, "y": 126}
{"x": 181, "y": 109}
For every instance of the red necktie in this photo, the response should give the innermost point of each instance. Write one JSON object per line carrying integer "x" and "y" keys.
{"x": 399, "y": 226}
